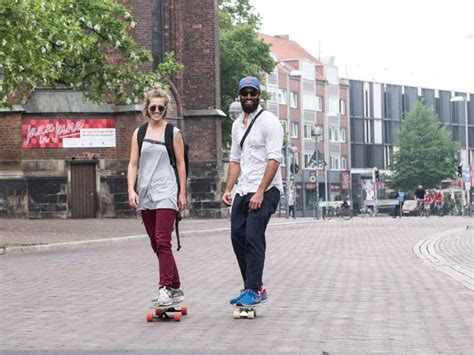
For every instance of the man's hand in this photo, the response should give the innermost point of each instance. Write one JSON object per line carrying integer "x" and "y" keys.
{"x": 227, "y": 199}
{"x": 133, "y": 199}
{"x": 256, "y": 201}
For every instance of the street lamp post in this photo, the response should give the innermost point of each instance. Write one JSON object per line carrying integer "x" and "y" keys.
{"x": 295, "y": 74}
{"x": 466, "y": 157}
{"x": 316, "y": 132}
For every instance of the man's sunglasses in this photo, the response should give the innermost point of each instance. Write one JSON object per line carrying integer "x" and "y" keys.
{"x": 154, "y": 108}
{"x": 252, "y": 93}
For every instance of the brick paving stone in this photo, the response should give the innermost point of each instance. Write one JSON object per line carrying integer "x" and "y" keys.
{"x": 337, "y": 286}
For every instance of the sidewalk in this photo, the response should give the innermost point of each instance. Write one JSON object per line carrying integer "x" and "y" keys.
{"x": 29, "y": 235}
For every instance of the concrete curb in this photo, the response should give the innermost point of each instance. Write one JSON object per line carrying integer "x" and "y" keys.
{"x": 27, "y": 249}
{"x": 426, "y": 250}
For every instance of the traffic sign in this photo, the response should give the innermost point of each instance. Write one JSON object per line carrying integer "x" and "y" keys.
{"x": 312, "y": 178}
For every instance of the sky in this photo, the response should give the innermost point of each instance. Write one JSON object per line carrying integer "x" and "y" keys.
{"x": 422, "y": 43}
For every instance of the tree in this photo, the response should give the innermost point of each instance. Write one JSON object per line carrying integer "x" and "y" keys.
{"x": 81, "y": 44}
{"x": 427, "y": 152}
{"x": 241, "y": 53}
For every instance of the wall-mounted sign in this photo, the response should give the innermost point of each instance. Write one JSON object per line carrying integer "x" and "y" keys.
{"x": 68, "y": 133}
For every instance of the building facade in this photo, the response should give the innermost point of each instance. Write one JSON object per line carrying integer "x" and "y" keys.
{"x": 377, "y": 111}
{"x": 306, "y": 93}
{"x": 61, "y": 156}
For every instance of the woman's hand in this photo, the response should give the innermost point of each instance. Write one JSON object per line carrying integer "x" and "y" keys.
{"x": 133, "y": 199}
{"x": 182, "y": 201}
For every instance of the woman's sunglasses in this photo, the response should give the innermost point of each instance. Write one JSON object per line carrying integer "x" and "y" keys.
{"x": 154, "y": 108}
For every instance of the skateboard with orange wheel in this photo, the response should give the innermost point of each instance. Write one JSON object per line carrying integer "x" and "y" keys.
{"x": 173, "y": 311}
{"x": 248, "y": 312}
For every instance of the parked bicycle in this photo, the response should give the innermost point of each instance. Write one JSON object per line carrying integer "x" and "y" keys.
{"x": 344, "y": 212}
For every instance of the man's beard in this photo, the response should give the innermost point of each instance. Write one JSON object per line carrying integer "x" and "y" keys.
{"x": 249, "y": 108}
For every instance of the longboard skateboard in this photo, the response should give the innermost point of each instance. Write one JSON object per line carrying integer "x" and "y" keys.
{"x": 241, "y": 311}
{"x": 174, "y": 311}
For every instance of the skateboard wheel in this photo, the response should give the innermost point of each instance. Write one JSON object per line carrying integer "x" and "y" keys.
{"x": 184, "y": 311}
{"x": 177, "y": 316}
{"x": 251, "y": 314}
{"x": 157, "y": 312}
{"x": 236, "y": 314}
{"x": 150, "y": 316}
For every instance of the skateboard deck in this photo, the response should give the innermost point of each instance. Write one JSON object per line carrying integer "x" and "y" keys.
{"x": 173, "y": 311}
{"x": 248, "y": 312}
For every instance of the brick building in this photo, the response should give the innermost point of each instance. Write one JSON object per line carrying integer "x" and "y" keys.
{"x": 49, "y": 169}
{"x": 307, "y": 92}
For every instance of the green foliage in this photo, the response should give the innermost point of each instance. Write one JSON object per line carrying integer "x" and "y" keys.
{"x": 241, "y": 53}
{"x": 82, "y": 44}
{"x": 427, "y": 152}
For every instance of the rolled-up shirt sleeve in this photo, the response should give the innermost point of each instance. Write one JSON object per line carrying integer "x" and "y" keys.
{"x": 274, "y": 144}
{"x": 235, "y": 150}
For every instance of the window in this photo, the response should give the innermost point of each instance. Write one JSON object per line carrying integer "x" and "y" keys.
{"x": 366, "y": 104}
{"x": 343, "y": 135}
{"x": 334, "y": 134}
{"x": 309, "y": 102}
{"x": 307, "y": 131}
{"x": 332, "y": 76}
{"x": 343, "y": 163}
{"x": 294, "y": 129}
{"x": 307, "y": 159}
{"x": 284, "y": 124}
{"x": 388, "y": 154}
{"x": 335, "y": 162}
{"x": 342, "y": 107}
{"x": 319, "y": 104}
{"x": 309, "y": 71}
{"x": 333, "y": 105}
{"x": 368, "y": 131}
{"x": 293, "y": 99}
{"x": 273, "y": 91}
{"x": 282, "y": 96}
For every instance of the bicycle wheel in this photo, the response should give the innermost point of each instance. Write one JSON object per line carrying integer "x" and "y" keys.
{"x": 328, "y": 213}
{"x": 346, "y": 213}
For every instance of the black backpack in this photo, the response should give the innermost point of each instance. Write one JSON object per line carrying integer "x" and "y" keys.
{"x": 169, "y": 148}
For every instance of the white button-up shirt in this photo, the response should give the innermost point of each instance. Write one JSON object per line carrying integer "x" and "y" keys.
{"x": 264, "y": 142}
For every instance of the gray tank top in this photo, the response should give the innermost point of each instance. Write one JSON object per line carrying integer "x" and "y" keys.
{"x": 157, "y": 186}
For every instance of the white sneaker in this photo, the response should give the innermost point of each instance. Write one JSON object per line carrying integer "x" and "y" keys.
{"x": 164, "y": 297}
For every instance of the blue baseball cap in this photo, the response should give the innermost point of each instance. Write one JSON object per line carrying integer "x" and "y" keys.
{"x": 249, "y": 81}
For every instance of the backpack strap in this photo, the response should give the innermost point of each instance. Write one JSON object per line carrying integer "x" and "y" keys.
{"x": 169, "y": 130}
{"x": 249, "y": 128}
{"x": 141, "y": 136}
{"x": 169, "y": 137}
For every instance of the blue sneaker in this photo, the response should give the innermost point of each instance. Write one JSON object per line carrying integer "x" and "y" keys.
{"x": 237, "y": 298}
{"x": 250, "y": 298}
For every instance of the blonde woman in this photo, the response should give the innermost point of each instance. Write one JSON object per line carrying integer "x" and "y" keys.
{"x": 156, "y": 195}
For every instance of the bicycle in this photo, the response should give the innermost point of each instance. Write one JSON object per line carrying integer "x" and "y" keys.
{"x": 340, "y": 212}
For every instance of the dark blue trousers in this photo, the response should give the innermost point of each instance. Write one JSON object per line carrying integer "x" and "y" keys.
{"x": 248, "y": 235}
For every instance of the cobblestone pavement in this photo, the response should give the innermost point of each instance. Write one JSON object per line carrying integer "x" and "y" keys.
{"x": 364, "y": 285}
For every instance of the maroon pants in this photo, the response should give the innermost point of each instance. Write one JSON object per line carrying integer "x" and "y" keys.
{"x": 159, "y": 226}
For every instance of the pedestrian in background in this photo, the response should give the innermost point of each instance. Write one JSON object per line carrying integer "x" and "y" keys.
{"x": 438, "y": 200}
{"x": 291, "y": 205}
{"x": 397, "y": 212}
{"x": 157, "y": 196}
{"x": 254, "y": 160}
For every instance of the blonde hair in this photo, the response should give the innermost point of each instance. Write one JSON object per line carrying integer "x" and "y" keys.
{"x": 156, "y": 92}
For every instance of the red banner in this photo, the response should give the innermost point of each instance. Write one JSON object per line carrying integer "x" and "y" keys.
{"x": 68, "y": 133}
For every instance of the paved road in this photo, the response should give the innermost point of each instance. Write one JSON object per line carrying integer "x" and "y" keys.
{"x": 364, "y": 285}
